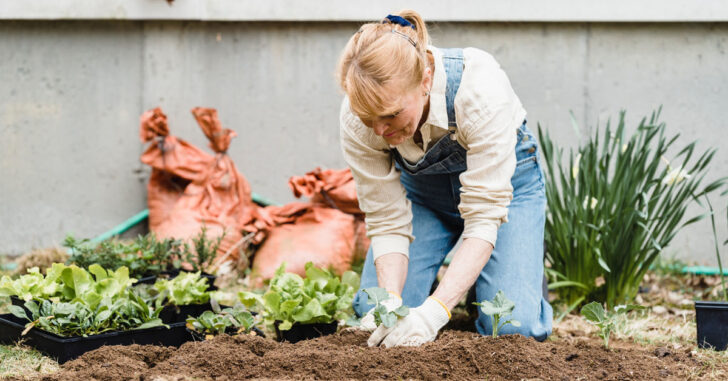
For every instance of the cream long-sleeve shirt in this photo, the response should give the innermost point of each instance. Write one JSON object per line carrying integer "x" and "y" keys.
{"x": 488, "y": 114}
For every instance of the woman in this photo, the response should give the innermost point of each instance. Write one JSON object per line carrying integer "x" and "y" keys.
{"x": 438, "y": 145}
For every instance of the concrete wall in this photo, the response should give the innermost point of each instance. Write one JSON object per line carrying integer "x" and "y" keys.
{"x": 71, "y": 93}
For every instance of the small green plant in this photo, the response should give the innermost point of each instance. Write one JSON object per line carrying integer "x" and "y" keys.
{"x": 594, "y": 313}
{"x": 382, "y": 315}
{"x": 71, "y": 301}
{"x": 184, "y": 289}
{"x": 205, "y": 250}
{"x": 144, "y": 256}
{"x": 218, "y": 321}
{"x": 321, "y": 297}
{"x": 498, "y": 309}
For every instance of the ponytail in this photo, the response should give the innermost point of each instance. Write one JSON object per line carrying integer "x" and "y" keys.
{"x": 380, "y": 54}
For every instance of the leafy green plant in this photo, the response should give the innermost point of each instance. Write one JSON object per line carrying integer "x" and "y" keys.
{"x": 614, "y": 206}
{"x": 382, "y": 315}
{"x": 34, "y": 285}
{"x": 321, "y": 297}
{"x": 144, "y": 256}
{"x": 205, "y": 250}
{"x": 184, "y": 289}
{"x": 595, "y": 314}
{"x": 498, "y": 309}
{"x": 218, "y": 321}
{"x": 85, "y": 302}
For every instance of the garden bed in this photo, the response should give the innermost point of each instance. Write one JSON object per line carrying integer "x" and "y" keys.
{"x": 455, "y": 355}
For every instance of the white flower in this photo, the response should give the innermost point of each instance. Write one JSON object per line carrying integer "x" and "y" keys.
{"x": 575, "y": 168}
{"x": 624, "y": 147}
{"x": 593, "y": 203}
{"x": 675, "y": 176}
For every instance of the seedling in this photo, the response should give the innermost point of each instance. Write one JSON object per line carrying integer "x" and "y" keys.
{"x": 205, "y": 250}
{"x": 321, "y": 297}
{"x": 217, "y": 321}
{"x": 498, "y": 309}
{"x": 595, "y": 314}
{"x": 382, "y": 315}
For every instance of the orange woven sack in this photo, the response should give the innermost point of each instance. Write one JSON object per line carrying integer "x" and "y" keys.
{"x": 331, "y": 187}
{"x": 334, "y": 188}
{"x": 322, "y": 235}
{"x": 189, "y": 188}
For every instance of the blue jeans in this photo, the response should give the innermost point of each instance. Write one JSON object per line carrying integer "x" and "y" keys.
{"x": 516, "y": 264}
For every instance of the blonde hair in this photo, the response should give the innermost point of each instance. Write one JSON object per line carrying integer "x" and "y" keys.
{"x": 380, "y": 54}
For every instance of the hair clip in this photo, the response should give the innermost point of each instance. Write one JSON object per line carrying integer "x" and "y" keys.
{"x": 411, "y": 41}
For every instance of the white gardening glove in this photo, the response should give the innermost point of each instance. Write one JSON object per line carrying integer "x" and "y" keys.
{"x": 367, "y": 322}
{"x": 418, "y": 327}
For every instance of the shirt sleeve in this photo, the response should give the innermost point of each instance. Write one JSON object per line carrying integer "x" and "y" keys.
{"x": 489, "y": 115}
{"x": 381, "y": 196}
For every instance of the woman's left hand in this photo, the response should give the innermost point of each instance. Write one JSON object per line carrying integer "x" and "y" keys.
{"x": 418, "y": 327}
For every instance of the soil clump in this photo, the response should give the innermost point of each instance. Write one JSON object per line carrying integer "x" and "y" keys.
{"x": 345, "y": 355}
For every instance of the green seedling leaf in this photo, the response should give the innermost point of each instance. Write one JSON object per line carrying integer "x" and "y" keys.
{"x": 593, "y": 312}
{"x": 376, "y": 295}
{"x": 388, "y": 319}
{"x": 18, "y": 312}
{"x": 382, "y": 315}
{"x": 597, "y": 315}
{"x": 498, "y": 309}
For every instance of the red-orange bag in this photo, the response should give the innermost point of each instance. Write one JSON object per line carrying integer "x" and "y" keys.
{"x": 322, "y": 235}
{"x": 334, "y": 188}
{"x": 189, "y": 188}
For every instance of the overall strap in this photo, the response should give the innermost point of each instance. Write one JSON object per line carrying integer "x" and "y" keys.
{"x": 452, "y": 59}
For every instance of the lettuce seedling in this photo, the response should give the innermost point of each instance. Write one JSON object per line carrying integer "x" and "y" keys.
{"x": 87, "y": 302}
{"x": 184, "y": 289}
{"x": 218, "y": 321}
{"x": 321, "y": 297}
{"x": 498, "y": 309}
{"x": 382, "y": 315}
{"x": 595, "y": 314}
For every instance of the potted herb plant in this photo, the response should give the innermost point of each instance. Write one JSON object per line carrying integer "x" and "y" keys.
{"x": 303, "y": 308}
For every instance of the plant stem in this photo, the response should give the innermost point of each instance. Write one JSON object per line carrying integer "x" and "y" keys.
{"x": 717, "y": 251}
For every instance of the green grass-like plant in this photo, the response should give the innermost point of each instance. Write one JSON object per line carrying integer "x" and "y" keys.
{"x": 615, "y": 205}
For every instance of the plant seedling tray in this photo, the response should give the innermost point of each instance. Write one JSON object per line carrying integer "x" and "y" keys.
{"x": 711, "y": 319}
{"x": 171, "y": 274}
{"x": 68, "y": 348}
{"x": 300, "y": 332}
{"x": 175, "y": 314}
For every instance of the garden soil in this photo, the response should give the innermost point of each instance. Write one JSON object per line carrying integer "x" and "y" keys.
{"x": 454, "y": 355}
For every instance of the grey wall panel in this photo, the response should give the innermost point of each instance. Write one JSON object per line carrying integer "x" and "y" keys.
{"x": 72, "y": 93}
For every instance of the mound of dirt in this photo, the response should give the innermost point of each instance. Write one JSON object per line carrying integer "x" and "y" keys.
{"x": 345, "y": 355}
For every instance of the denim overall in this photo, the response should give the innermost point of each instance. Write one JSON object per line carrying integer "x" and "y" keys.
{"x": 433, "y": 187}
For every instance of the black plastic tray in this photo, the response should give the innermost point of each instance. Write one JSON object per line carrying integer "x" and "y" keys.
{"x": 300, "y": 332}
{"x": 174, "y": 314}
{"x": 68, "y": 348}
{"x": 711, "y": 319}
